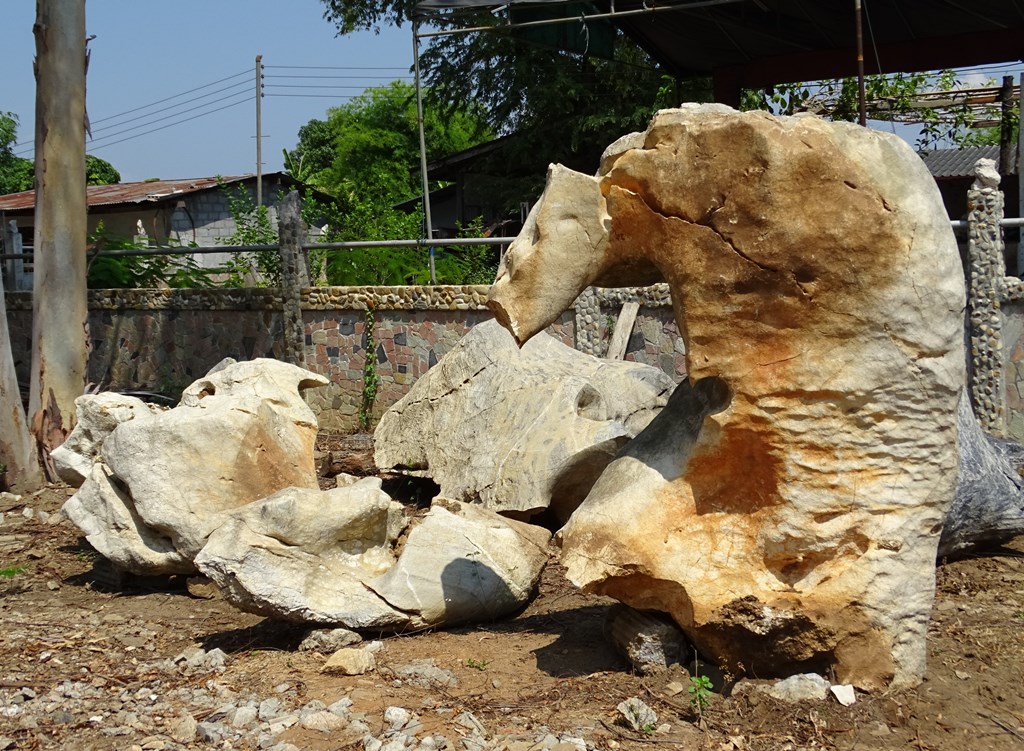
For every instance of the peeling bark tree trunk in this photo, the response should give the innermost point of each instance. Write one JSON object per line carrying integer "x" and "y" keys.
{"x": 16, "y": 452}
{"x": 59, "y": 310}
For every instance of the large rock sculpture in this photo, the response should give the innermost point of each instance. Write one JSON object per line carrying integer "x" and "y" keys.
{"x": 517, "y": 430}
{"x": 163, "y": 483}
{"x": 785, "y": 506}
{"x": 336, "y": 557}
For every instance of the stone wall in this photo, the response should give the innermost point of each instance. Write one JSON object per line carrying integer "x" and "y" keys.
{"x": 162, "y": 340}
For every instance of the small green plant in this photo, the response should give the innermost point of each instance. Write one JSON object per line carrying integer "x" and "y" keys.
{"x": 648, "y": 729}
{"x": 476, "y": 664}
{"x": 700, "y": 693}
{"x": 11, "y": 571}
{"x": 145, "y": 271}
{"x": 252, "y": 227}
{"x": 371, "y": 380}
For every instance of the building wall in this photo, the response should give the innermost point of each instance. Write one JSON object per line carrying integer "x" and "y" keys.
{"x": 162, "y": 340}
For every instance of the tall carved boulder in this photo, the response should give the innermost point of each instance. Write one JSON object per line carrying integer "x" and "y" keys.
{"x": 785, "y": 507}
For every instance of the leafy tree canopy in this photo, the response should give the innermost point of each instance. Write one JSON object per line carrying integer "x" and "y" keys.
{"x": 566, "y": 106}
{"x": 16, "y": 174}
{"x": 371, "y": 144}
{"x": 100, "y": 172}
{"x": 948, "y": 120}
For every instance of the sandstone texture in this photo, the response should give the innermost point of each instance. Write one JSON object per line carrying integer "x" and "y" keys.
{"x": 239, "y": 434}
{"x": 518, "y": 430}
{"x": 785, "y": 507}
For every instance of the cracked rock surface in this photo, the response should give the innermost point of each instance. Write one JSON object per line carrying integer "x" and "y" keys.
{"x": 785, "y": 506}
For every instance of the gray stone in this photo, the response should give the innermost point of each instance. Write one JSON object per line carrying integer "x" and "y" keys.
{"x": 327, "y": 640}
{"x": 801, "y": 687}
{"x": 520, "y": 429}
{"x": 638, "y": 715}
{"x": 650, "y": 643}
{"x": 988, "y": 508}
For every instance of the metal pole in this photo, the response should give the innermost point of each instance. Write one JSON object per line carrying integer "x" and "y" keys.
{"x": 423, "y": 147}
{"x": 259, "y": 131}
{"x": 860, "y": 64}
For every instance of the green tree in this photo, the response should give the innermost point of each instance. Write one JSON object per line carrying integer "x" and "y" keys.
{"x": 310, "y": 160}
{"x": 16, "y": 174}
{"x": 370, "y": 145}
{"x": 100, "y": 172}
{"x": 562, "y": 106}
{"x": 946, "y": 121}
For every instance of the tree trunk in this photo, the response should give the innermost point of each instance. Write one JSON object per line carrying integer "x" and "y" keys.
{"x": 20, "y": 470}
{"x": 59, "y": 309}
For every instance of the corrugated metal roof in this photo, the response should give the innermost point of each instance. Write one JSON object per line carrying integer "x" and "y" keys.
{"x": 948, "y": 163}
{"x": 124, "y": 193}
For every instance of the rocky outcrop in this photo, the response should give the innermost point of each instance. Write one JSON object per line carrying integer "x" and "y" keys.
{"x": 518, "y": 430}
{"x": 240, "y": 434}
{"x": 785, "y": 507}
{"x": 335, "y": 558}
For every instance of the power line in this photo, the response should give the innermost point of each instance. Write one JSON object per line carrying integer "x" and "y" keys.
{"x": 328, "y": 67}
{"x": 358, "y": 78}
{"x": 310, "y": 86}
{"x": 245, "y": 97}
{"x": 98, "y": 142}
{"x": 175, "y": 96}
{"x": 152, "y": 104}
{"x": 236, "y": 86}
{"x": 170, "y": 125}
{"x": 316, "y": 96}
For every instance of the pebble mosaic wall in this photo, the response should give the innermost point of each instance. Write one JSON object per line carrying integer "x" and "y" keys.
{"x": 986, "y": 274}
{"x": 162, "y": 340}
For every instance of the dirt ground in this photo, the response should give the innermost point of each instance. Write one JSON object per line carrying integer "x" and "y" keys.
{"x": 64, "y": 614}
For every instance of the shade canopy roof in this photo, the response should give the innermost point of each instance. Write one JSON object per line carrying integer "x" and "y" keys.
{"x": 758, "y": 43}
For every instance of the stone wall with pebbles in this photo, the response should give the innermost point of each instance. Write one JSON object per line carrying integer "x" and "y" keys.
{"x": 162, "y": 340}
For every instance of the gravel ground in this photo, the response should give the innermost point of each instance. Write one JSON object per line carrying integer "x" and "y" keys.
{"x": 92, "y": 659}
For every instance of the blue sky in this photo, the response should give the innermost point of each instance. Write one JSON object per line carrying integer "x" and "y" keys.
{"x": 145, "y": 52}
{"x": 171, "y": 86}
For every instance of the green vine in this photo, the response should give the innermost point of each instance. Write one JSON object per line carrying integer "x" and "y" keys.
{"x": 371, "y": 380}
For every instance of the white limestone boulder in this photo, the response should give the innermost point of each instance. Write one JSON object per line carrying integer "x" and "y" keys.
{"x": 334, "y": 557}
{"x": 105, "y": 514}
{"x": 518, "y": 430}
{"x": 239, "y": 434}
{"x": 464, "y": 564}
{"x": 96, "y": 417}
{"x": 303, "y": 554}
{"x": 785, "y": 506}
